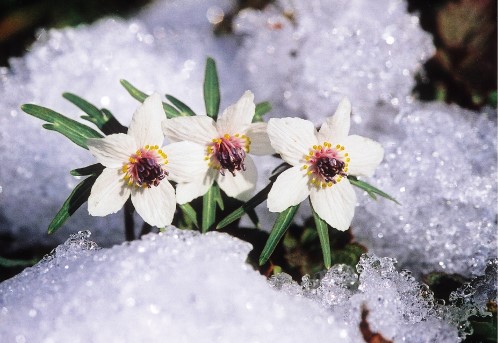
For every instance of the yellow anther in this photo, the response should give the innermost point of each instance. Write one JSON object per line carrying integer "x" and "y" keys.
{"x": 132, "y": 160}
{"x": 339, "y": 178}
{"x": 324, "y": 185}
{"x": 346, "y": 169}
{"x": 237, "y": 135}
{"x": 330, "y": 184}
{"x": 227, "y": 136}
{"x": 348, "y": 159}
{"x": 147, "y": 147}
{"x": 127, "y": 176}
{"x": 307, "y": 158}
{"x": 125, "y": 168}
{"x": 309, "y": 173}
{"x": 337, "y": 146}
{"x": 243, "y": 136}
{"x": 342, "y": 148}
{"x": 315, "y": 147}
{"x": 311, "y": 153}
{"x": 305, "y": 166}
{"x": 346, "y": 154}
{"x": 320, "y": 147}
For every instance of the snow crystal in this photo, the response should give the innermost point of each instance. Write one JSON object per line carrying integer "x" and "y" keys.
{"x": 399, "y": 308}
{"x": 175, "y": 286}
{"x": 309, "y": 54}
{"x": 440, "y": 163}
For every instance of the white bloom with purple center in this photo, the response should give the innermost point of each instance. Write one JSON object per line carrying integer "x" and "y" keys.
{"x": 321, "y": 162}
{"x": 137, "y": 166}
{"x": 226, "y": 144}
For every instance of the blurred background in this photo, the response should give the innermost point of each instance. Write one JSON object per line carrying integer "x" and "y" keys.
{"x": 462, "y": 71}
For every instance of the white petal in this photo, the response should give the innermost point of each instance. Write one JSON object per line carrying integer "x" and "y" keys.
{"x": 238, "y": 116}
{"x": 145, "y": 125}
{"x": 186, "y": 192}
{"x": 365, "y": 155}
{"x": 113, "y": 150}
{"x": 292, "y": 138}
{"x": 156, "y": 205}
{"x": 108, "y": 194}
{"x": 290, "y": 188}
{"x": 336, "y": 128}
{"x": 197, "y": 129}
{"x": 335, "y": 204}
{"x": 186, "y": 161}
{"x": 260, "y": 142}
{"x": 242, "y": 185}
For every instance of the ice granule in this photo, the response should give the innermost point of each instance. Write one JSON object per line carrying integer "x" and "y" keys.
{"x": 399, "y": 308}
{"x": 176, "y": 286}
{"x": 440, "y": 163}
{"x": 310, "y": 54}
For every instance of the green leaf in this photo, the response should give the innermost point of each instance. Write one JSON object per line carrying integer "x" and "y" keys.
{"x": 10, "y": 263}
{"x": 104, "y": 120}
{"x": 211, "y": 89}
{"x": 184, "y": 109}
{"x": 78, "y": 133}
{"x": 94, "y": 169}
{"x": 281, "y": 225}
{"x": 189, "y": 212}
{"x": 208, "y": 209}
{"x": 170, "y": 111}
{"x": 218, "y": 198}
{"x": 371, "y": 190}
{"x": 246, "y": 207}
{"x": 78, "y": 197}
{"x": 261, "y": 109}
{"x": 251, "y": 213}
{"x": 323, "y": 233}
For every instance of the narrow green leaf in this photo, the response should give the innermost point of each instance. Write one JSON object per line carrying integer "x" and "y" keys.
{"x": 261, "y": 109}
{"x": 78, "y": 133}
{"x": 10, "y": 263}
{"x": 323, "y": 233}
{"x": 189, "y": 212}
{"x": 93, "y": 169}
{"x": 103, "y": 119}
{"x": 208, "y": 209}
{"x": 78, "y": 197}
{"x": 281, "y": 225}
{"x": 249, "y": 205}
{"x": 218, "y": 198}
{"x": 184, "y": 109}
{"x": 211, "y": 89}
{"x": 371, "y": 190}
{"x": 170, "y": 111}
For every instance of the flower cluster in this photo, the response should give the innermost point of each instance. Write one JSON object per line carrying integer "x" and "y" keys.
{"x": 204, "y": 151}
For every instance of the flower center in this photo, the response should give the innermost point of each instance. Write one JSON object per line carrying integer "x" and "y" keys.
{"x": 145, "y": 168}
{"x": 326, "y": 165}
{"x": 228, "y": 153}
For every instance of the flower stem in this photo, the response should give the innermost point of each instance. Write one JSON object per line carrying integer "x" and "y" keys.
{"x": 128, "y": 221}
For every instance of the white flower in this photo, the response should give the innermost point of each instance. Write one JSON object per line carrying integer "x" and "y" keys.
{"x": 226, "y": 145}
{"x": 137, "y": 166}
{"x": 321, "y": 162}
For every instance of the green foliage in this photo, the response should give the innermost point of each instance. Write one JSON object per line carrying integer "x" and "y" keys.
{"x": 182, "y": 108}
{"x": 371, "y": 190}
{"x": 103, "y": 119}
{"x": 11, "y": 263}
{"x": 209, "y": 208}
{"x": 190, "y": 213}
{"x": 94, "y": 169}
{"x": 137, "y": 94}
{"x": 78, "y": 197}
{"x": 78, "y": 133}
{"x": 323, "y": 233}
{"x": 211, "y": 89}
{"x": 261, "y": 109}
{"x": 281, "y": 225}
